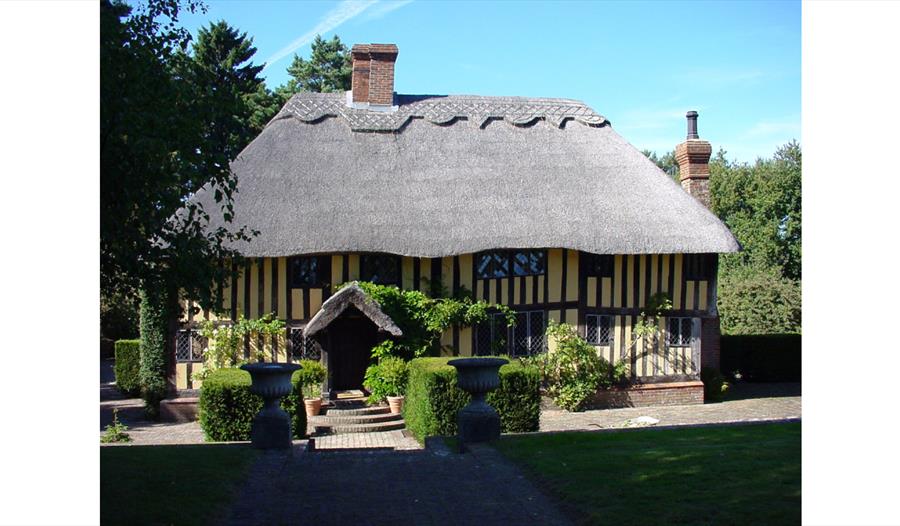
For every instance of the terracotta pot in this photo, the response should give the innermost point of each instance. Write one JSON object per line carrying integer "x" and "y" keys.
{"x": 395, "y": 403}
{"x": 313, "y": 406}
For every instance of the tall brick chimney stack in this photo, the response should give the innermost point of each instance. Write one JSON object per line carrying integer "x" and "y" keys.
{"x": 693, "y": 162}
{"x": 373, "y": 75}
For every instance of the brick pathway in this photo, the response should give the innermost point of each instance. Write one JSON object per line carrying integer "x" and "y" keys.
{"x": 390, "y": 487}
{"x": 381, "y": 440}
{"x": 746, "y": 403}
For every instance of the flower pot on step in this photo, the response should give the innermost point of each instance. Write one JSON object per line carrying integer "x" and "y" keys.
{"x": 395, "y": 403}
{"x": 313, "y": 406}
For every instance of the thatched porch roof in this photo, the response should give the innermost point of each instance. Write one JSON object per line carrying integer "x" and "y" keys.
{"x": 351, "y": 296}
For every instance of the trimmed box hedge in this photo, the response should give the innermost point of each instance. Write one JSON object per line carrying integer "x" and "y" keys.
{"x": 762, "y": 357}
{"x": 433, "y": 399}
{"x": 128, "y": 366}
{"x": 227, "y": 406}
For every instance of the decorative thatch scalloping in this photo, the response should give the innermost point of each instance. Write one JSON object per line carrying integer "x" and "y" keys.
{"x": 351, "y": 296}
{"x": 439, "y": 109}
{"x": 316, "y": 187}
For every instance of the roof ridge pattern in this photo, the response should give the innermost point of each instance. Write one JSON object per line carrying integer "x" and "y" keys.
{"x": 440, "y": 109}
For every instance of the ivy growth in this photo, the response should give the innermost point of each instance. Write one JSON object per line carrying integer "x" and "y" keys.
{"x": 225, "y": 342}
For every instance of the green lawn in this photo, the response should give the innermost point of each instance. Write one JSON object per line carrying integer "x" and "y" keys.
{"x": 169, "y": 485}
{"x": 715, "y": 475}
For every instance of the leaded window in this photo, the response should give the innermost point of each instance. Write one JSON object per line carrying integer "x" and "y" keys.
{"x": 679, "y": 334}
{"x": 189, "y": 345}
{"x": 699, "y": 266}
{"x": 506, "y": 263}
{"x": 303, "y": 348}
{"x": 383, "y": 269}
{"x": 304, "y": 272}
{"x": 599, "y": 329}
{"x": 525, "y": 338}
{"x": 601, "y": 265}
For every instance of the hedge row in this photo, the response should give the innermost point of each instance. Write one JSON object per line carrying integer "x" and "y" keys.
{"x": 762, "y": 358}
{"x": 433, "y": 399}
{"x": 128, "y": 366}
{"x": 227, "y": 406}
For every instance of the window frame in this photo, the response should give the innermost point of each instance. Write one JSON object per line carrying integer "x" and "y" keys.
{"x": 609, "y": 329}
{"x": 364, "y": 263}
{"x": 602, "y": 266}
{"x": 509, "y": 334}
{"x": 509, "y": 261}
{"x": 681, "y": 341}
{"x": 194, "y": 355}
{"x": 698, "y": 267}
{"x": 318, "y": 280}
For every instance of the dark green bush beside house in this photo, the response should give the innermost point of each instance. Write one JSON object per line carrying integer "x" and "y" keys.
{"x": 763, "y": 357}
{"x": 432, "y": 398}
{"x": 227, "y": 406}
{"x": 128, "y": 366}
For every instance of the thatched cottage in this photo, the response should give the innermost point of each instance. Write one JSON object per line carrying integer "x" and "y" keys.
{"x": 533, "y": 203}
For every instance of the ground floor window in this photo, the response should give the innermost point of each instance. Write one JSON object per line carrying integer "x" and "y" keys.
{"x": 679, "y": 334}
{"x": 523, "y": 339}
{"x": 303, "y": 348}
{"x": 189, "y": 346}
{"x": 598, "y": 329}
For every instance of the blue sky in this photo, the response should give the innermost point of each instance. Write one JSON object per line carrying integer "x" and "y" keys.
{"x": 640, "y": 64}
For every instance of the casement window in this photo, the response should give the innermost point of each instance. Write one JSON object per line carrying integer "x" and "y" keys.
{"x": 601, "y": 265}
{"x": 679, "y": 333}
{"x": 699, "y": 266}
{"x": 189, "y": 346}
{"x": 383, "y": 269}
{"x": 303, "y": 348}
{"x": 506, "y": 263}
{"x": 599, "y": 329}
{"x": 524, "y": 339}
{"x": 308, "y": 271}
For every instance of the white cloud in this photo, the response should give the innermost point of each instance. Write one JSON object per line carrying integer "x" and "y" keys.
{"x": 341, "y": 13}
{"x": 383, "y": 8}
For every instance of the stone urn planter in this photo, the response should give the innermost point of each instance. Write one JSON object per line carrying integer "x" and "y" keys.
{"x": 395, "y": 403}
{"x": 478, "y": 421}
{"x": 313, "y": 406}
{"x": 271, "y": 427}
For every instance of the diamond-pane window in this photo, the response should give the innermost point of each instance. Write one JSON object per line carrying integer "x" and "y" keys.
{"x": 528, "y": 333}
{"x": 528, "y": 262}
{"x": 491, "y": 336}
{"x": 189, "y": 345}
{"x": 383, "y": 269}
{"x": 303, "y": 348}
{"x": 598, "y": 330}
{"x": 679, "y": 332}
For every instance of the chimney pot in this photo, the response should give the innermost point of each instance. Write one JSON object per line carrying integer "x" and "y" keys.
{"x": 692, "y": 125}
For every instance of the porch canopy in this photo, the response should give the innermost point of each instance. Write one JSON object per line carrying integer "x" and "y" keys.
{"x": 351, "y": 296}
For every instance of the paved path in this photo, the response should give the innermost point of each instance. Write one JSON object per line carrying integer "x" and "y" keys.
{"x": 390, "y": 487}
{"x": 380, "y": 440}
{"x": 746, "y": 403}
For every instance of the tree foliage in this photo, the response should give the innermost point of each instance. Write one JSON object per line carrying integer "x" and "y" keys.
{"x": 756, "y": 300}
{"x": 160, "y": 142}
{"x": 327, "y": 70}
{"x": 666, "y": 162}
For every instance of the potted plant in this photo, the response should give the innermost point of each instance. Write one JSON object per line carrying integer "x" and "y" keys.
{"x": 393, "y": 372}
{"x": 312, "y": 375}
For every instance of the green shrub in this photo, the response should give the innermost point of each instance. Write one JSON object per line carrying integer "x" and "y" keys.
{"x": 154, "y": 327}
{"x": 433, "y": 399}
{"x": 227, "y": 406}
{"x": 115, "y": 432}
{"x": 714, "y": 384}
{"x": 573, "y": 372}
{"x": 128, "y": 366}
{"x": 386, "y": 378}
{"x": 762, "y": 357}
{"x": 309, "y": 378}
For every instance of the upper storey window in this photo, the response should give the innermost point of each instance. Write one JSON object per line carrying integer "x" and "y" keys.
{"x": 383, "y": 269}
{"x": 699, "y": 266}
{"x": 506, "y": 263}
{"x": 304, "y": 272}
{"x": 601, "y": 265}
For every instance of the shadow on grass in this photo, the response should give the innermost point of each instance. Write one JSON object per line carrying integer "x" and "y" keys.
{"x": 182, "y": 484}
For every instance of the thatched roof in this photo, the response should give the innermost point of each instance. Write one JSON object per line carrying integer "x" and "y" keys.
{"x": 446, "y": 175}
{"x": 351, "y": 296}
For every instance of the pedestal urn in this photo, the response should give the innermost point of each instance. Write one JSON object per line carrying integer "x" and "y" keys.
{"x": 271, "y": 427}
{"x": 478, "y": 421}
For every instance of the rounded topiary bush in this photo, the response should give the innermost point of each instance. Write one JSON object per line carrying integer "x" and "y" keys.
{"x": 128, "y": 366}
{"x": 227, "y": 406}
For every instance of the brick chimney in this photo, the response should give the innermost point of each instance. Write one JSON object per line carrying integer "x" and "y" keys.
{"x": 693, "y": 162}
{"x": 373, "y": 76}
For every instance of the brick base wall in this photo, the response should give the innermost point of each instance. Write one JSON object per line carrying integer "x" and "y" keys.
{"x": 648, "y": 395}
{"x": 179, "y": 410}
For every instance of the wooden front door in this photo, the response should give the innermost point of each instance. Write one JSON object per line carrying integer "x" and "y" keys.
{"x": 351, "y": 338}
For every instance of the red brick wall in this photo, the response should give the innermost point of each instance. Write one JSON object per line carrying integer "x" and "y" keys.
{"x": 360, "y": 79}
{"x": 710, "y": 343}
{"x": 381, "y": 73}
{"x": 648, "y": 395}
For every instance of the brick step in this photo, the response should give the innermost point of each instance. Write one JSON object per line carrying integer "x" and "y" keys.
{"x": 331, "y": 419}
{"x": 360, "y": 428}
{"x": 365, "y": 410}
